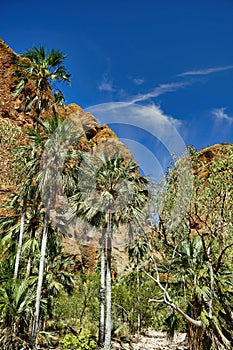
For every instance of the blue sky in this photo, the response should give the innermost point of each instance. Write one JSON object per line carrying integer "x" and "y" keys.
{"x": 175, "y": 57}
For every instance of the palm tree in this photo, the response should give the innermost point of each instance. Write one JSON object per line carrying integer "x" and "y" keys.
{"x": 16, "y": 307}
{"x": 42, "y": 70}
{"x": 27, "y": 196}
{"x": 48, "y": 181}
{"x": 36, "y": 79}
{"x": 113, "y": 193}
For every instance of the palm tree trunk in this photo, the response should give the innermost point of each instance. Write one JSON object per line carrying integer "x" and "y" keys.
{"x": 31, "y": 253}
{"x": 139, "y": 299}
{"x": 102, "y": 290}
{"x": 108, "y": 324}
{"x": 22, "y": 221}
{"x": 39, "y": 285}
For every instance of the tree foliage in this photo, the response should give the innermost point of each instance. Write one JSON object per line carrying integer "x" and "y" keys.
{"x": 36, "y": 78}
{"x": 195, "y": 273}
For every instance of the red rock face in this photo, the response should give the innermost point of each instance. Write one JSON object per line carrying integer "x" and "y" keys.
{"x": 10, "y": 107}
{"x": 7, "y": 61}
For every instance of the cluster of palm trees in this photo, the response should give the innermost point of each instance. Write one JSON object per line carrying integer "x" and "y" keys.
{"x": 41, "y": 70}
{"x": 31, "y": 242}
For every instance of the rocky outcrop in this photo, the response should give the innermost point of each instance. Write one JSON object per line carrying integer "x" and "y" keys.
{"x": 208, "y": 155}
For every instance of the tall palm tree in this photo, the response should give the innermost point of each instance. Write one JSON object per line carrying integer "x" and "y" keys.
{"x": 113, "y": 193}
{"x": 27, "y": 194}
{"x": 41, "y": 70}
{"x": 48, "y": 181}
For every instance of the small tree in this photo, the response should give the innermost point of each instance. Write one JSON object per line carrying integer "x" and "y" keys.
{"x": 16, "y": 308}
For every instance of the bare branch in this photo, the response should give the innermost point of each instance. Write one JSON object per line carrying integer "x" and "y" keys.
{"x": 156, "y": 300}
{"x": 122, "y": 308}
{"x": 168, "y": 301}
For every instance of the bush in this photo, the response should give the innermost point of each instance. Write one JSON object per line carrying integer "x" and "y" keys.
{"x": 81, "y": 342}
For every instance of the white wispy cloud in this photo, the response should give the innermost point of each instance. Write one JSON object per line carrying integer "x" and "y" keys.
{"x": 159, "y": 90}
{"x": 220, "y": 114}
{"x": 138, "y": 81}
{"x": 149, "y": 118}
{"x": 205, "y": 71}
{"x": 106, "y": 84}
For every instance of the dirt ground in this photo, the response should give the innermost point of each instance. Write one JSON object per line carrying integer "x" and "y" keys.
{"x": 153, "y": 340}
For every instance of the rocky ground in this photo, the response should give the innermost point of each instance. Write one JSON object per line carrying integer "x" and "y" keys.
{"x": 153, "y": 340}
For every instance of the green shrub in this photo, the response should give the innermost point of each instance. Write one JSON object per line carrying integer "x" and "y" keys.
{"x": 81, "y": 342}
